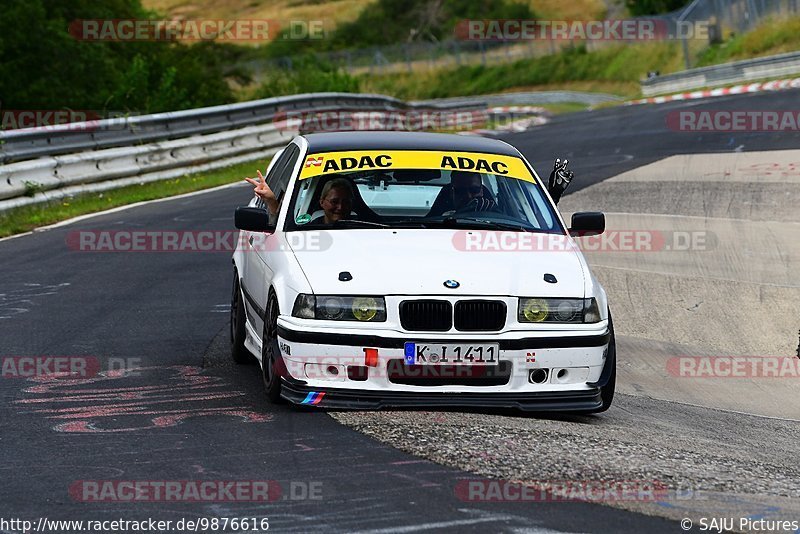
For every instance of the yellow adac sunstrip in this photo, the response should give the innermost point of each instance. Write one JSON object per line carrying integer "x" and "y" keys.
{"x": 357, "y": 160}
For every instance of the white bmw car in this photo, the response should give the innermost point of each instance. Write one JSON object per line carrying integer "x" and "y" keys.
{"x": 418, "y": 270}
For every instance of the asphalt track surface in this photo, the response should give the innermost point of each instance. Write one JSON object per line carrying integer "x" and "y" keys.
{"x": 607, "y": 142}
{"x": 190, "y": 415}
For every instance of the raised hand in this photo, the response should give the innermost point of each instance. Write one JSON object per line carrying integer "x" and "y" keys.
{"x": 560, "y": 179}
{"x": 262, "y": 191}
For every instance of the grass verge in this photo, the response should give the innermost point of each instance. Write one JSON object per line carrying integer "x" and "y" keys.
{"x": 615, "y": 69}
{"x": 620, "y": 67}
{"x": 772, "y": 37}
{"x": 26, "y": 218}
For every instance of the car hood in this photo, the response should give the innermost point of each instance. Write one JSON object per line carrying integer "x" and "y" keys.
{"x": 418, "y": 262}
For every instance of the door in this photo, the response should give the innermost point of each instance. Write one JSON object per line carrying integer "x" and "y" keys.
{"x": 265, "y": 246}
{"x": 248, "y": 271}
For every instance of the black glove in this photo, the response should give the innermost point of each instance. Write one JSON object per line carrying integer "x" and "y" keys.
{"x": 478, "y": 204}
{"x": 560, "y": 179}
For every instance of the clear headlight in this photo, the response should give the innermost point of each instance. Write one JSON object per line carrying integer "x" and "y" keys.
{"x": 304, "y": 306}
{"x": 340, "y": 308}
{"x": 549, "y": 310}
{"x": 330, "y": 308}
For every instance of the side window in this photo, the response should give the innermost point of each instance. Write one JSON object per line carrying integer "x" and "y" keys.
{"x": 283, "y": 171}
{"x": 279, "y": 173}
{"x": 274, "y": 172}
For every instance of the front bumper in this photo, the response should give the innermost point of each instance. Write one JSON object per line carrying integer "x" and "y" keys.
{"x": 307, "y": 356}
{"x": 562, "y": 401}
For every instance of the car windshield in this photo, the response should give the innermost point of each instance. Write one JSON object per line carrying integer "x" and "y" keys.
{"x": 420, "y": 198}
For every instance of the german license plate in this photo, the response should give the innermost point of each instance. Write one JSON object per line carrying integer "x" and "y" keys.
{"x": 449, "y": 354}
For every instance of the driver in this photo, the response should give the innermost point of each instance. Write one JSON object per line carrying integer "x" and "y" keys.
{"x": 467, "y": 193}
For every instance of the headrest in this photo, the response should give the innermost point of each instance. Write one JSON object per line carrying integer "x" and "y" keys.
{"x": 416, "y": 175}
{"x": 463, "y": 175}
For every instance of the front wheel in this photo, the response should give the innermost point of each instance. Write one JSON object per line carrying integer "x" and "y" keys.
{"x": 607, "y": 390}
{"x": 239, "y": 352}
{"x": 270, "y": 356}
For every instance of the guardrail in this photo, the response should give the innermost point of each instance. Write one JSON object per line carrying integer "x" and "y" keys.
{"x": 17, "y": 145}
{"x": 100, "y": 155}
{"x": 527, "y": 98}
{"x": 48, "y": 163}
{"x": 54, "y": 177}
{"x": 727, "y": 73}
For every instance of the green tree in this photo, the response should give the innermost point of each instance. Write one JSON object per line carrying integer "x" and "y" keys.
{"x": 43, "y": 66}
{"x": 388, "y": 22}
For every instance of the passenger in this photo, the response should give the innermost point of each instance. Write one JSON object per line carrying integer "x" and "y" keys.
{"x": 336, "y": 200}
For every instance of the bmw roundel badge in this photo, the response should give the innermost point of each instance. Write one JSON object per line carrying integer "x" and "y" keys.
{"x": 452, "y": 284}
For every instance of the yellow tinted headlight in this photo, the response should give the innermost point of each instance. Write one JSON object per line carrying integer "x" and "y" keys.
{"x": 340, "y": 308}
{"x": 365, "y": 308}
{"x": 558, "y": 310}
{"x": 535, "y": 310}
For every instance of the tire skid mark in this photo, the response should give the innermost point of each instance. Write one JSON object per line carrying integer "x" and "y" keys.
{"x": 193, "y": 393}
{"x": 12, "y": 301}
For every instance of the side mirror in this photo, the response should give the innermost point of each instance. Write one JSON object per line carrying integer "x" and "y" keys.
{"x": 253, "y": 219}
{"x": 586, "y": 223}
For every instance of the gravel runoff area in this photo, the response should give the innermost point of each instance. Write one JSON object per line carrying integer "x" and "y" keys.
{"x": 713, "y": 463}
{"x": 689, "y": 436}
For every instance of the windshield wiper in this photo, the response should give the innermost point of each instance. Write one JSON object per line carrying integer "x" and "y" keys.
{"x": 408, "y": 223}
{"x": 355, "y": 223}
{"x": 474, "y": 222}
{"x": 449, "y": 222}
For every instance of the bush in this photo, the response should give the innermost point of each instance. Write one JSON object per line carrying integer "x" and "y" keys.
{"x": 387, "y": 22}
{"x": 617, "y": 64}
{"x": 308, "y": 74}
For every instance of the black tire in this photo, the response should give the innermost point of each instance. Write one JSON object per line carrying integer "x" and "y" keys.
{"x": 607, "y": 391}
{"x": 239, "y": 353}
{"x": 271, "y": 360}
